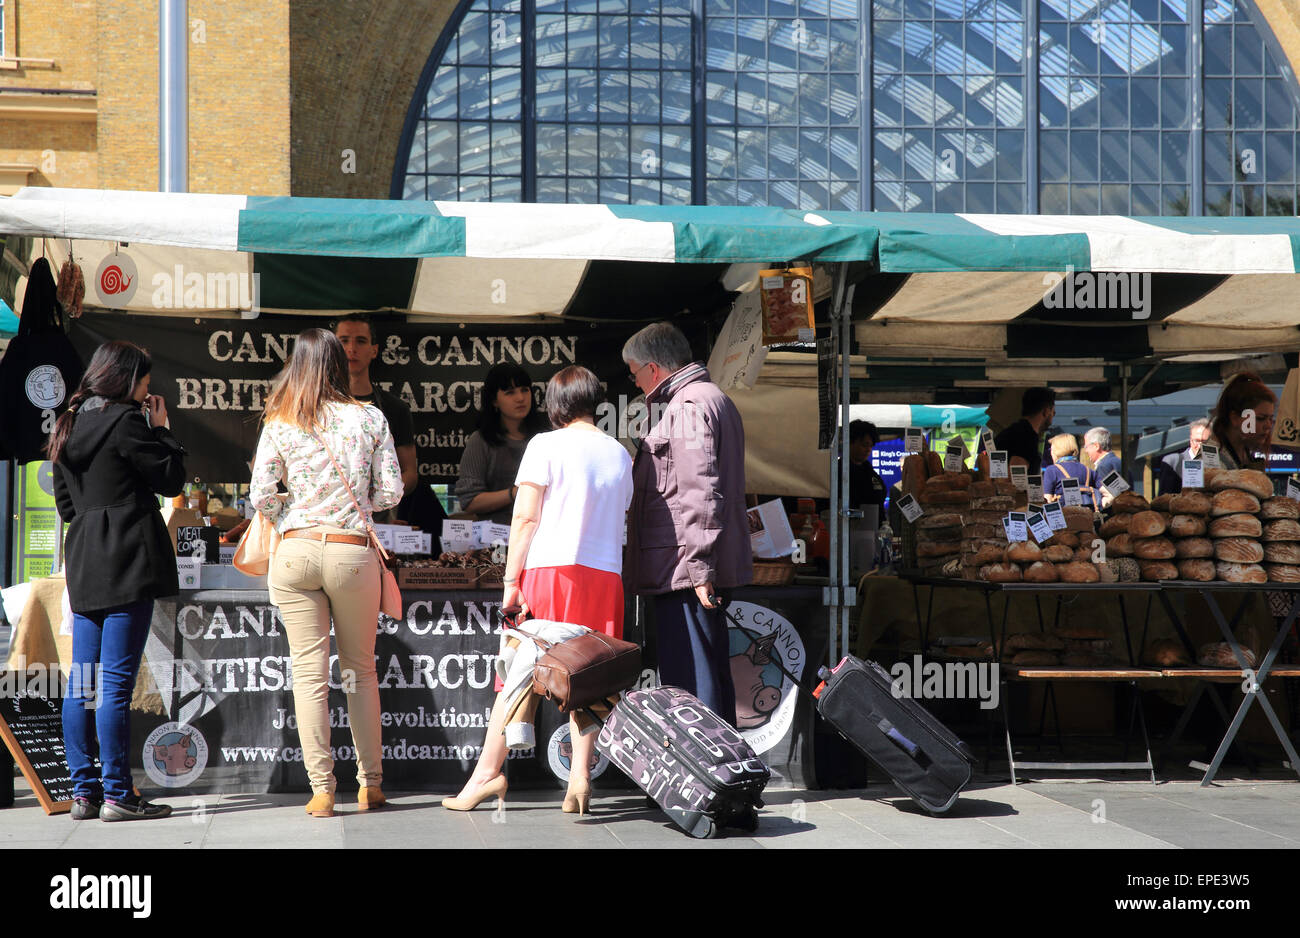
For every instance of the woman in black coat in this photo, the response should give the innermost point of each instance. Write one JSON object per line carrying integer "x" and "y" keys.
{"x": 112, "y": 452}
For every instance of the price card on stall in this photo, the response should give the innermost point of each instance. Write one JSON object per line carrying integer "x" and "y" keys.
{"x": 412, "y": 542}
{"x": 1293, "y": 488}
{"x": 998, "y": 463}
{"x": 986, "y": 437}
{"x": 913, "y": 440}
{"x": 1070, "y": 496}
{"x": 1020, "y": 477}
{"x": 1193, "y": 474}
{"x": 1034, "y": 486}
{"x": 1016, "y": 526}
{"x": 910, "y": 508}
{"x": 1039, "y": 526}
{"x": 952, "y": 460}
{"x": 457, "y": 534}
{"x": 1055, "y": 517}
{"x": 1209, "y": 455}
{"x": 188, "y": 570}
{"x": 1113, "y": 484}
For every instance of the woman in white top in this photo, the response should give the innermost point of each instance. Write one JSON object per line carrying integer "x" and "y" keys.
{"x": 565, "y": 558}
{"x": 325, "y": 567}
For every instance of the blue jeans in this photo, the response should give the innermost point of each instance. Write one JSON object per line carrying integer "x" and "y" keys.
{"x": 106, "y": 648}
{"x": 694, "y": 651}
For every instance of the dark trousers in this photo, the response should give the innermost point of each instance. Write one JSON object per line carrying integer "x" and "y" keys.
{"x": 692, "y": 645}
{"x": 106, "y": 650}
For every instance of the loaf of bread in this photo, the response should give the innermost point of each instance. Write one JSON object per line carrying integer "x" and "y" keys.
{"x": 1078, "y": 519}
{"x": 1219, "y": 655}
{"x": 1153, "y": 548}
{"x": 913, "y": 474}
{"x": 1048, "y": 659}
{"x": 1083, "y": 554}
{"x": 1162, "y": 502}
{"x": 1065, "y": 538}
{"x": 1106, "y": 573}
{"x": 1282, "y": 552}
{"x": 1232, "y": 501}
{"x": 1153, "y": 570}
{"x": 1242, "y": 525}
{"x": 1190, "y": 502}
{"x": 958, "y": 497}
{"x": 1126, "y": 569}
{"x": 1078, "y": 572}
{"x": 1282, "y": 572}
{"x": 937, "y": 548}
{"x": 1191, "y": 568}
{"x": 980, "y": 516}
{"x": 1040, "y": 572}
{"x": 996, "y": 503}
{"x": 1115, "y": 525}
{"x": 1245, "y": 480}
{"x": 1036, "y": 641}
{"x": 1238, "y": 550}
{"x": 983, "y": 489}
{"x": 1283, "y": 529}
{"x": 1279, "y": 506}
{"x": 939, "y": 519}
{"x": 1005, "y": 487}
{"x": 1001, "y": 573}
{"x": 1186, "y": 526}
{"x": 1058, "y": 553}
{"x": 1194, "y": 547}
{"x": 987, "y": 555}
{"x": 1127, "y": 503}
{"x": 1024, "y": 552}
{"x": 953, "y": 480}
{"x": 1167, "y": 653}
{"x": 1121, "y": 545}
{"x": 980, "y": 530}
{"x": 941, "y": 534}
{"x": 1146, "y": 524}
{"x": 1240, "y": 572}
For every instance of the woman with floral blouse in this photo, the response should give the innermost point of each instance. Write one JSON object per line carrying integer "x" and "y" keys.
{"x": 325, "y": 568}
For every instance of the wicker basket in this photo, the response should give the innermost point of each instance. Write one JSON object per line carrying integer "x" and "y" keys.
{"x": 778, "y": 572}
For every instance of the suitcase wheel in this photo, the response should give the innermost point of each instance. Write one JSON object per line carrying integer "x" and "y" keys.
{"x": 746, "y": 820}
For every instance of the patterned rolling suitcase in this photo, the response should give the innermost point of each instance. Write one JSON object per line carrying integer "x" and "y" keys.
{"x": 687, "y": 758}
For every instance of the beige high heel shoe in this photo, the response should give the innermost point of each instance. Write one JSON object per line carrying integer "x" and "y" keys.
{"x": 577, "y": 799}
{"x": 496, "y": 786}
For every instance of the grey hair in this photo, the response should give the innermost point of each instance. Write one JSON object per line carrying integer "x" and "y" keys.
{"x": 661, "y": 343}
{"x": 1098, "y": 435}
{"x": 1199, "y": 422}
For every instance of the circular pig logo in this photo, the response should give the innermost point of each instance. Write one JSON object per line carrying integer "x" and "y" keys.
{"x": 559, "y": 755}
{"x": 45, "y": 387}
{"x": 765, "y": 697}
{"x": 115, "y": 281}
{"x": 175, "y": 755}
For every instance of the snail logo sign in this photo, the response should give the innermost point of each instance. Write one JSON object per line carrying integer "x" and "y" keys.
{"x": 765, "y": 697}
{"x": 116, "y": 281}
{"x": 45, "y": 387}
{"x": 175, "y": 755}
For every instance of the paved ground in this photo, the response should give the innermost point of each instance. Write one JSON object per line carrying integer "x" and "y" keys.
{"x": 1061, "y": 814}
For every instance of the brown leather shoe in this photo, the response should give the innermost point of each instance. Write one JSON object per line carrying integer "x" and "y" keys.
{"x": 370, "y": 797}
{"x": 321, "y": 804}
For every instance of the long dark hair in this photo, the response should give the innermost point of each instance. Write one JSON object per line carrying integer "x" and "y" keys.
{"x": 504, "y": 377}
{"x": 316, "y": 374}
{"x": 1244, "y": 391}
{"x": 114, "y": 371}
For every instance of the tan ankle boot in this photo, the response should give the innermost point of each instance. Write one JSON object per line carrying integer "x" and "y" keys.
{"x": 370, "y": 797}
{"x": 321, "y": 804}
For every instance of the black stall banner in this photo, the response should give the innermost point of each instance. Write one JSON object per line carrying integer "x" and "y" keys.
{"x": 215, "y": 374}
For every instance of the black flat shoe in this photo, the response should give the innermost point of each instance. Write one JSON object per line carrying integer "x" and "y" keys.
{"x": 83, "y": 809}
{"x": 140, "y": 810}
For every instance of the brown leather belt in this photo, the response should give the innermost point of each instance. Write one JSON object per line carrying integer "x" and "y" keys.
{"x": 357, "y": 539}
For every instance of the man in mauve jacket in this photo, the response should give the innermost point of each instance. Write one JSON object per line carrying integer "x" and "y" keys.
{"x": 688, "y": 536}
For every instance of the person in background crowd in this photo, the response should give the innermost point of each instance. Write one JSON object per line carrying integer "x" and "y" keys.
{"x": 1065, "y": 465}
{"x": 1096, "y": 447}
{"x": 1020, "y": 440}
{"x": 112, "y": 453}
{"x": 866, "y": 488}
{"x": 688, "y": 539}
{"x": 1171, "y": 467}
{"x": 357, "y": 334}
{"x": 325, "y": 568}
{"x": 565, "y": 558}
{"x": 1243, "y": 422}
{"x": 486, "y": 484}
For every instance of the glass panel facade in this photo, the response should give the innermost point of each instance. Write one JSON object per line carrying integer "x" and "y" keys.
{"x": 935, "y": 115}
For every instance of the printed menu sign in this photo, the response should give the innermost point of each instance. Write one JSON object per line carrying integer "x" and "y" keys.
{"x": 909, "y": 507}
{"x": 1038, "y": 524}
{"x": 1209, "y": 456}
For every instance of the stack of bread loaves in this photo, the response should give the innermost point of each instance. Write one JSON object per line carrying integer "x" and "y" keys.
{"x": 984, "y": 539}
{"x": 946, "y": 498}
{"x": 1065, "y": 557}
{"x": 1189, "y": 527}
{"x": 1281, "y": 523}
{"x": 1075, "y": 646}
{"x": 1234, "y": 524}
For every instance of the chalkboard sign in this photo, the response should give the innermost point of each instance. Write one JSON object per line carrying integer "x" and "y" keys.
{"x": 202, "y": 542}
{"x": 31, "y": 727}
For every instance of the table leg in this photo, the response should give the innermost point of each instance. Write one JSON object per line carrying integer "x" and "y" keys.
{"x": 1177, "y": 622}
{"x": 1006, "y": 720}
{"x": 920, "y": 623}
{"x": 1123, "y": 617}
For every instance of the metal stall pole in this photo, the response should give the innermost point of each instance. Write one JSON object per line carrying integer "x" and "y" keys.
{"x": 1125, "y": 459}
{"x": 173, "y": 95}
{"x": 830, "y": 595}
{"x": 848, "y": 599}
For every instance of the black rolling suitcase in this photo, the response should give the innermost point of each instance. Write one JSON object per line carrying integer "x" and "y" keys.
{"x": 922, "y": 756}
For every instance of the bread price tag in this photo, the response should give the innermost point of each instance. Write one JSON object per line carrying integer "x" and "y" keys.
{"x": 998, "y": 463}
{"x": 1113, "y": 484}
{"x": 1039, "y": 526}
{"x": 986, "y": 437}
{"x": 913, "y": 440}
{"x": 1293, "y": 488}
{"x": 1210, "y": 455}
{"x": 910, "y": 508}
{"x": 1055, "y": 517}
{"x": 1020, "y": 477}
{"x": 1070, "y": 496}
{"x": 1017, "y": 526}
{"x": 1034, "y": 486}
{"x": 952, "y": 461}
{"x": 1193, "y": 474}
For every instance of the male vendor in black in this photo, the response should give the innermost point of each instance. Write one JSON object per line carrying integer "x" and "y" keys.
{"x": 357, "y": 335}
{"x": 1022, "y": 440}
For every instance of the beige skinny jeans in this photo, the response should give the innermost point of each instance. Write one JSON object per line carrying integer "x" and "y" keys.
{"x": 310, "y": 581}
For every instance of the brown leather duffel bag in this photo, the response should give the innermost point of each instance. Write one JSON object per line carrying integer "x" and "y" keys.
{"x": 584, "y": 669}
